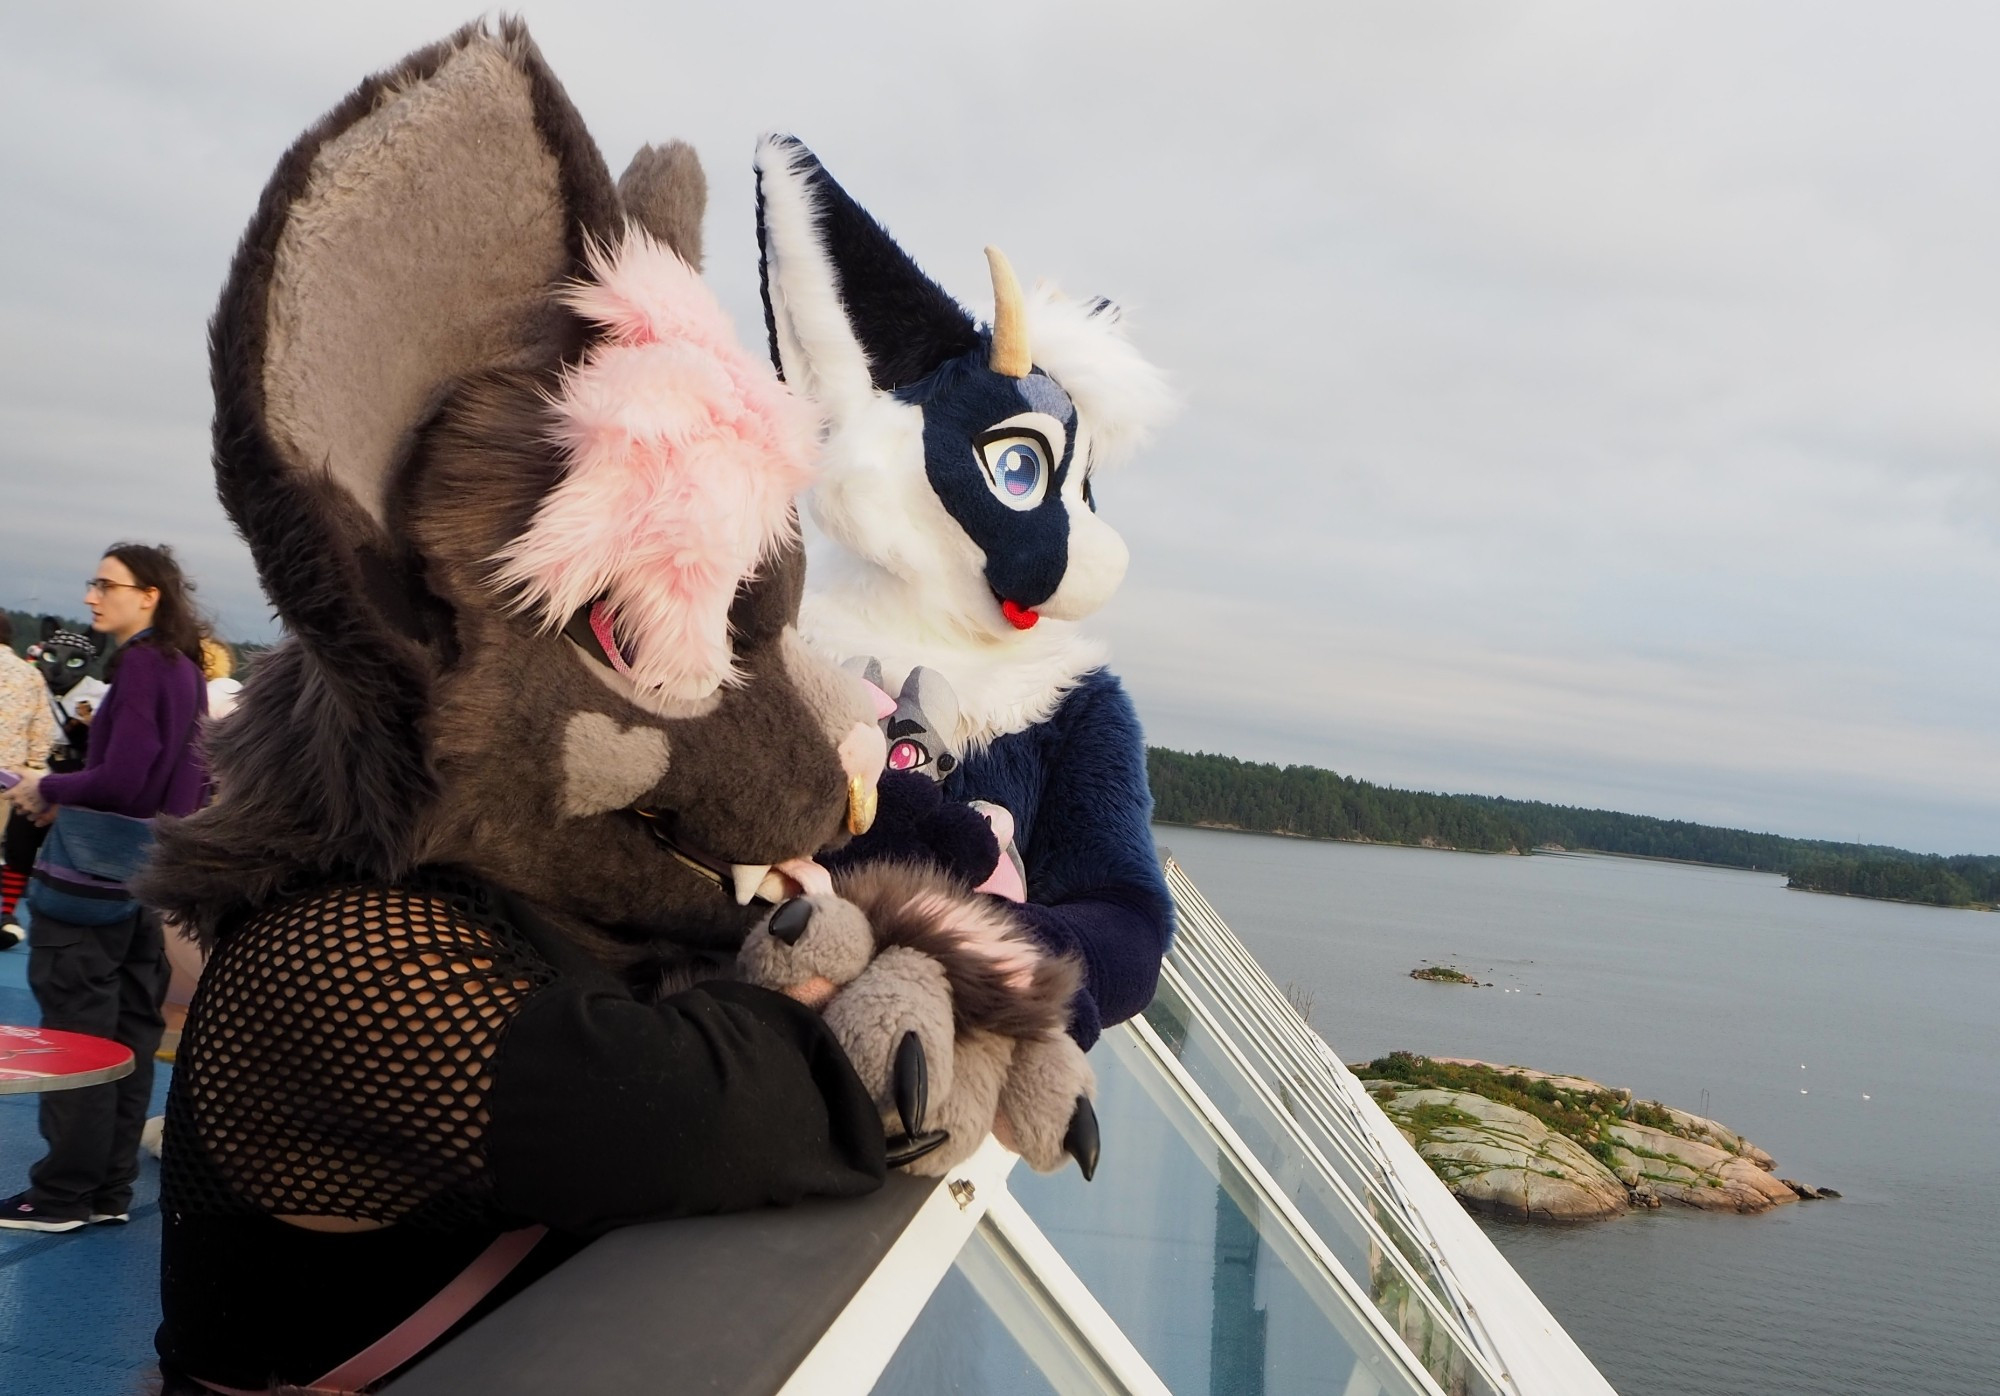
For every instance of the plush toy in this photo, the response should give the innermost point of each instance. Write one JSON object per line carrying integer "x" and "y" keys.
{"x": 538, "y": 772}
{"x": 957, "y": 489}
{"x": 914, "y": 724}
{"x": 917, "y": 720}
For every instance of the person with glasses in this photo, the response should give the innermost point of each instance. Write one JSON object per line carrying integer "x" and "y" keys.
{"x": 110, "y": 980}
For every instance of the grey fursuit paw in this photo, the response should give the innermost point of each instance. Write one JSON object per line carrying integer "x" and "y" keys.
{"x": 952, "y": 1014}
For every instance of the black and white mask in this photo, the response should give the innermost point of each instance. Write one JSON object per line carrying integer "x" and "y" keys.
{"x": 64, "y": 659}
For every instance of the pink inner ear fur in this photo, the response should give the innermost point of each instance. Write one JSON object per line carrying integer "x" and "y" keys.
{"x": 682, "y": 454}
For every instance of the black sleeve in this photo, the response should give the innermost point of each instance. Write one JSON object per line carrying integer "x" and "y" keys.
{"x": 606, "y": 1111}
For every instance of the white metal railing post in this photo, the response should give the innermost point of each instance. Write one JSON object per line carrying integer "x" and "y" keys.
{"x": 852, "y": 1354}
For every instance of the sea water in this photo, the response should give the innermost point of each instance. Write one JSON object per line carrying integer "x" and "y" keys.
{"x": 1855, "y": 1040}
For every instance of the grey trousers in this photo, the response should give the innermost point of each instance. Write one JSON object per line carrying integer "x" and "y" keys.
{"x": 108, "y": 981}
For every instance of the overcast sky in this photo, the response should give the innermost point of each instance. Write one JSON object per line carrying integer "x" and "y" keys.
{"x": 1597, "y": 403}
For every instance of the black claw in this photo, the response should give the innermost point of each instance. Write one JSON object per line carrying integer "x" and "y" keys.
{"x": 908, "y": 1148}
{"x": 1081, "y": 1142}
{"x": 911, "y": 1084}
{"x": 789, "y": 921}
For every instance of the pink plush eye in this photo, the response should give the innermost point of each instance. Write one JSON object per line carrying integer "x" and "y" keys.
{"x": 906, "y": 755}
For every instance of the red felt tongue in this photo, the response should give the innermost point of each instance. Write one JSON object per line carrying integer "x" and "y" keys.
{"x": 1020, "y": 617}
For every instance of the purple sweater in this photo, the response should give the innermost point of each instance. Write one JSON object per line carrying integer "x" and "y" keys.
{"x": 145, "y": 750}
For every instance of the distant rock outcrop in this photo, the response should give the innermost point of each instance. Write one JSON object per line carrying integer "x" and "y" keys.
{"x": 1512, "y": 1141}
{"x": 1444, "y": 974}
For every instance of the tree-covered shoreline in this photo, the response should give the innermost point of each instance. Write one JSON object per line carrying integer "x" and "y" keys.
{"x": 1204, "y": 789}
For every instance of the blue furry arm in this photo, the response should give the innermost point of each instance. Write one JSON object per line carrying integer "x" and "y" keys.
{"x": 1094, "y": 880}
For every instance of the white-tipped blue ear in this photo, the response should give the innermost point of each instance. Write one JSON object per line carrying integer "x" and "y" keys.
{"x": 849, "y": 309}
{"x": 811, "y": 339}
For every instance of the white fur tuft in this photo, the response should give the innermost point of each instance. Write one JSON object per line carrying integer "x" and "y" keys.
{"x": 979, "y": 930}
{"x": 1004, "y": 683}
{"x": 1120, "y": 398}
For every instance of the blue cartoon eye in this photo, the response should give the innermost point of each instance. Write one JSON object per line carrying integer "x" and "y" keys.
{"x": 1017, "y": 470}
{"x": 1020, "y": 470}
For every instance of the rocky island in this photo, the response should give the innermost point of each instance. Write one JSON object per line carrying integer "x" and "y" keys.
{"x": 1444, "y": 974}
{"x": 1514, "y": 1142}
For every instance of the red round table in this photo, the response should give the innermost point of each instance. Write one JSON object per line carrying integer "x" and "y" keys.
{"x": 43, "y": 1059}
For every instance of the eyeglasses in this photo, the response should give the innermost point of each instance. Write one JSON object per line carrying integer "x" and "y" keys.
{"x": 100, "y": 585}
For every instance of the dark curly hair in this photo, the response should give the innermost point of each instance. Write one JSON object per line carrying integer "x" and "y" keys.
{"x": 177, "y": 625}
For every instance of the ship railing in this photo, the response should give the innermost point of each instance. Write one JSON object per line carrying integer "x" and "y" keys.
{"x": 1256, "y": 1225}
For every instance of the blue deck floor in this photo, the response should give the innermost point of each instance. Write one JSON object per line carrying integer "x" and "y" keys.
{"x": 77, "y": 1308}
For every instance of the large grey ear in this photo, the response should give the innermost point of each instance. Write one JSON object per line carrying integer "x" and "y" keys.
{"x": 411, "y": 237}
{"x": 415, "y": 235}
{"x": 665, "y": 191}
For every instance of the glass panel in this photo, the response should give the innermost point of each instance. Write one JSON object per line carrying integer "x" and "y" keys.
{"x": 1205, "y": 945}
{"x": 1214, "y": 1290}
{"x": 1298, "y": 1076}
{"x": 1361, "y": 1249}
{"x": 1408, "y": 1294}
{"x": 991, "y": 1330}
{"x": 1270, "y": 1140}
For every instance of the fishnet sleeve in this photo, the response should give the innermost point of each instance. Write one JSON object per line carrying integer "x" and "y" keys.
{"x": 339, "y": 1059}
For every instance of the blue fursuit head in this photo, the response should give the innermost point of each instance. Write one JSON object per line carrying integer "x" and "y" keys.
{"x": 956, "y": 491}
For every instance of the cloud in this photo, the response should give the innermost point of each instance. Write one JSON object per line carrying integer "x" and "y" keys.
{"x": 1585, "y": 401}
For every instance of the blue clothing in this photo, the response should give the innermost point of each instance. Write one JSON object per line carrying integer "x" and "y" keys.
{"x": 1076, "y": 786}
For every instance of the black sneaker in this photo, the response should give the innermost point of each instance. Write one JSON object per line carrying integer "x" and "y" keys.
{"x": 17, "y": 1213}
{"x": 10, "y": 934}
{"x": 110, "y": 1218}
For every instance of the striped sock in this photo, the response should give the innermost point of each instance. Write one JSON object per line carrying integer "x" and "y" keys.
{"x": 12, "y": 885}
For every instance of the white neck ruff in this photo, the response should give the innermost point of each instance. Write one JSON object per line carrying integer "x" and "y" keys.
{"x": 1004, "y": 683}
